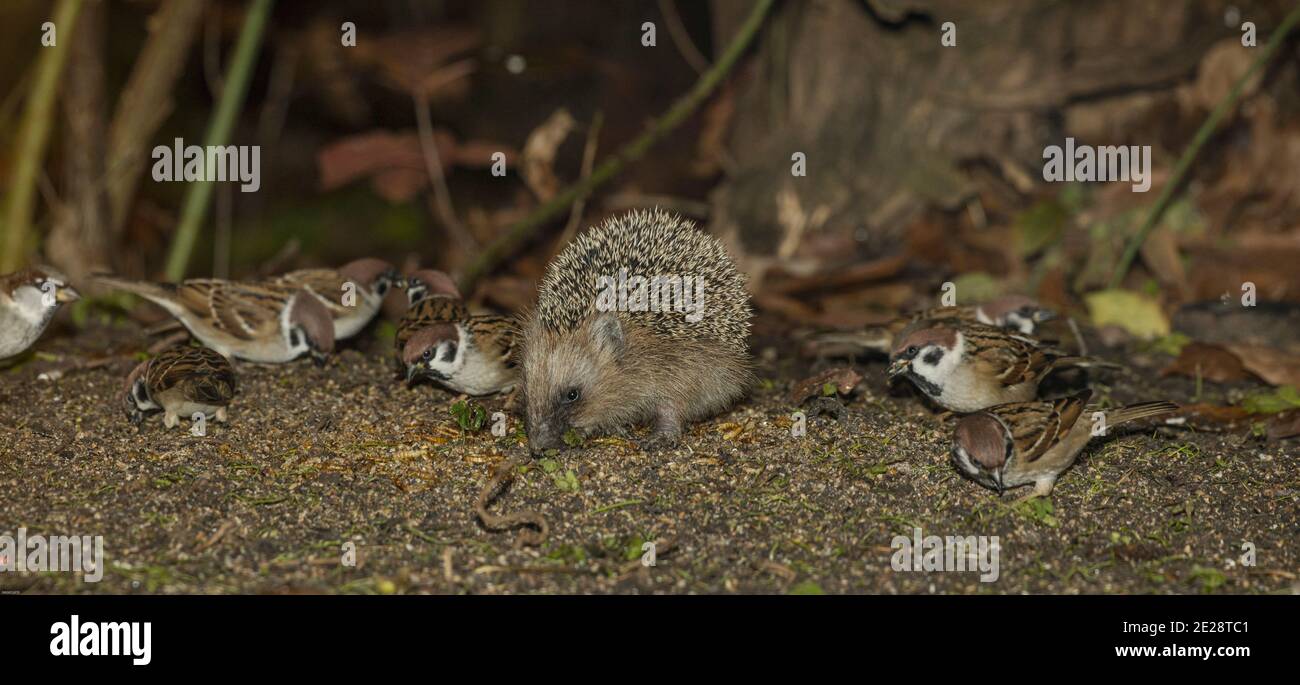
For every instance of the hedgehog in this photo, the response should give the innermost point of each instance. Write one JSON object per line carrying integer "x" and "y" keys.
{"x": 641, "y": 320}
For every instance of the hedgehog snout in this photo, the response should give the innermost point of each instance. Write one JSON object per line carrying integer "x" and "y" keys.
{"x": 544, "y": 435}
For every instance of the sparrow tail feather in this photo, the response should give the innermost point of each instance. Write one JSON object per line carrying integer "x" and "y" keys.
{"x": 877, "y": 339}
{"x": 141, "y": 288}
{"x": 1140, "y": 410}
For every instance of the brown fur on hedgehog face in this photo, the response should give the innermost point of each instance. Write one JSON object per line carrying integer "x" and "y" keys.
{"x": 572, "y": 378}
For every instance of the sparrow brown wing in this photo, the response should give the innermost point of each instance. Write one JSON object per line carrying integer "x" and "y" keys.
{"x": 167, "y": 369}
{"x": 1037, "y": 427}
{"x": 213, "y": 378}
{"x": 928, "y": 318}
{"x": 497, "y": 336}
{"x": 325, "y": 284}
{"x": 244, "y": 310}
{"x": 945, "y": 314}
{"x": 427, "y": 312}
{"x": 200, "y": 373}
{"x": 1010, "y": 358}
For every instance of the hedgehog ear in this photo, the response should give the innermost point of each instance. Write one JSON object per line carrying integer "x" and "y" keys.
{"x": 607, "y": 334}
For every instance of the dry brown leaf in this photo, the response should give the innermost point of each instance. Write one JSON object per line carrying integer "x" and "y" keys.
{"x": 1214, "y": 413}
{"x": 413, "y": 59}
{"x": 1234, "y": 362}
{"x": 537, "y": 163}
{"x": 1211, "y": 362}
{"x": 1284, "y": 425}
{"x": 843, "y": 379}
{"x": 1274, "y": 366}
{"x": 862, "y": 272}
{"x": 394, "y": 161}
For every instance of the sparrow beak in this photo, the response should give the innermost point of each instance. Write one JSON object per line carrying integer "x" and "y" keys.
{"x": 997, "y": 480}
{"x": 66, "y": 294}
{"x": 412, "y": 373}
{"x": 899, "y": 367}
{"x": 319, "y": 359}
{"x": 1042, "y": 315}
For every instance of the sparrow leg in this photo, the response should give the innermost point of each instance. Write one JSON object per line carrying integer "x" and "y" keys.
{"x": 170, "y": 419}
{"x": 1042, "y": 488}
{"x": 221, "y": 415}
{"x": 512, "y": 400}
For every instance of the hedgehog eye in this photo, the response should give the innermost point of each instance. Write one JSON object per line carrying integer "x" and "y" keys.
{"x": 571, "y": 395}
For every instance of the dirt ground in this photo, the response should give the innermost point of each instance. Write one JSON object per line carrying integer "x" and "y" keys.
{"x": 313, "y": 458}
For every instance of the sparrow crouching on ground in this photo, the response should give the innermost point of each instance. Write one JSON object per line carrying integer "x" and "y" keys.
{"x": 1016, "y": 313}
{"x": 257, "y": 322}
{"x": 1033, "y": 443}
{"x": 966, "y": 367}
{"x": 181, "y": 381}
{"x": 353, "y": 294}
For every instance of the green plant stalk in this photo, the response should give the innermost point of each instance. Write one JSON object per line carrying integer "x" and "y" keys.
{"x": 1202, "y": 136}
{"x": 199, "y": 195}
{"x": 507, "y": 243}
{"x": 33, "y": 134}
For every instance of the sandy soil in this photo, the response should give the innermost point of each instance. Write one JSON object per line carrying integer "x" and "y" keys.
{"x": 314, "y": 458}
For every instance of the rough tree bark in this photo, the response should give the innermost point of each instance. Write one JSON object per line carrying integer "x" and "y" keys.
{"x": 892, "y": 122}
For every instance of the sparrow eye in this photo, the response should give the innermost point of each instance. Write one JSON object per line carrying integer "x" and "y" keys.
{"x": 911, "y": 351}
{"x": 428, "y": 354}
{"x": 571, "y": 396}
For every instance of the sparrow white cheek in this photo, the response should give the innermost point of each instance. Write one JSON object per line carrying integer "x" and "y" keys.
{"x": 1019, "y": 323}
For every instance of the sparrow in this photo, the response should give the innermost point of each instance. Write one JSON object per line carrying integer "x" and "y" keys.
{"x": 427, "y": 282}
{"x": 351, "y": 308}
{"x": 475, "y": 356}
{"x": 438, "y": 338}
{"x": 1013, "y": 312}
{"x": 257, "y": 322}
{"x": 28, "y": 301}
{"x": 180, "y": 381}
{"x": 1026, "y": 443}
{"x": 965, "y": 367}
{"x": 433, "y": 299}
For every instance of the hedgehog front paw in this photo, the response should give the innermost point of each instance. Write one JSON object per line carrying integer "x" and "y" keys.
{"x": 667, "y": 432}
{"x": 661, "y": 440}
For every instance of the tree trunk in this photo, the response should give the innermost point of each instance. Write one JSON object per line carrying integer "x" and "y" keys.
{"x": 892, "y": 122}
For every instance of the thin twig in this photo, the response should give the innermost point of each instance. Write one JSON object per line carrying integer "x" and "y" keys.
{"x": 30, "y": 141}
{"x": 1202, "y": 136}
{"x": 682, "y": 38}
{"x": 588, "y": 161}
{"x": 516, "y": 235}
{"x": 146, "y": 101}
{"x": 433, "y": 165}
{"x": 219, "y": 130}
{"x": 500, "y": 479}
